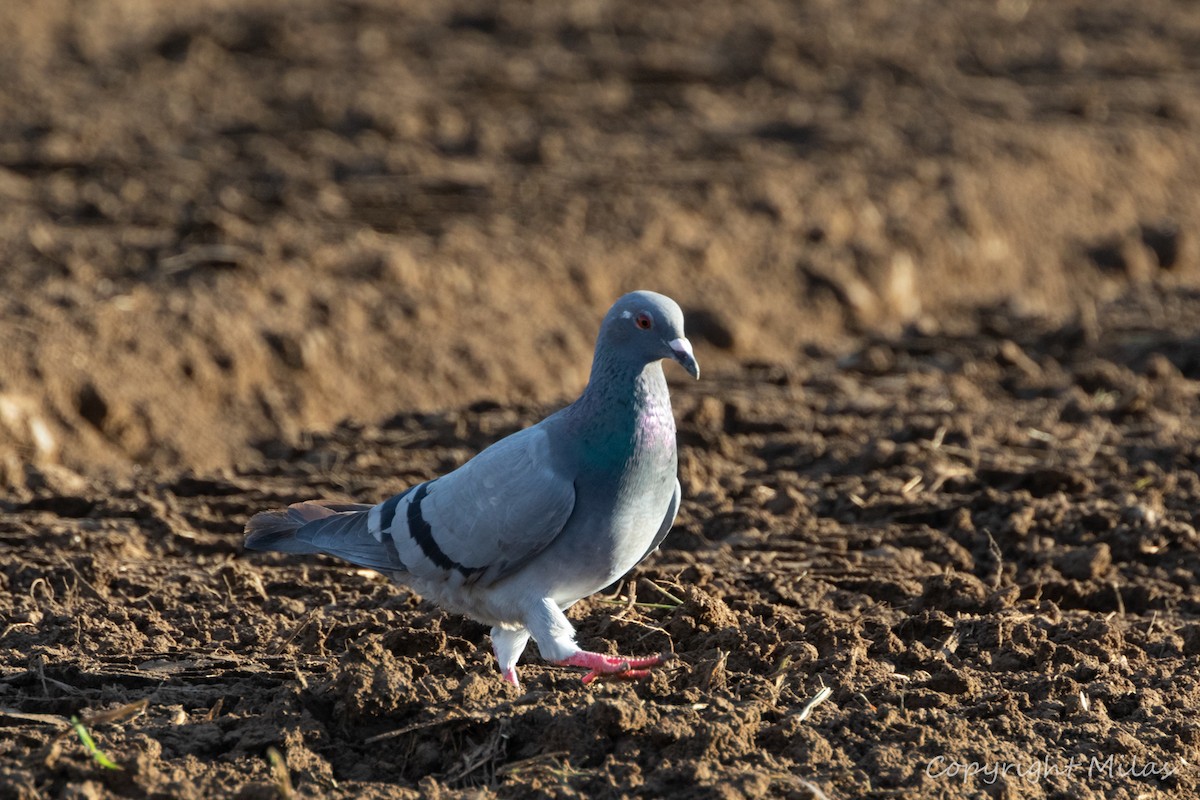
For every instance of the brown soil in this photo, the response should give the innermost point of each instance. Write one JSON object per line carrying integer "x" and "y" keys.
{"x": 940, "y": 263}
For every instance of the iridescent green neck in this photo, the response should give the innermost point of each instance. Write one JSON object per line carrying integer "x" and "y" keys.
{"x": 620, "y": 413}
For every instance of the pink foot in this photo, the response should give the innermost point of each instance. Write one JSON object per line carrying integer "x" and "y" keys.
{"x": 617, "y": 666}
{"x": 510, "y": 675}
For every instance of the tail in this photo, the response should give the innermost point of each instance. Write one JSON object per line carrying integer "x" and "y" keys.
{"x": 336, "y": 529}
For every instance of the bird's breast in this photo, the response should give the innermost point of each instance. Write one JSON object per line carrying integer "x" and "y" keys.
{"x": 655, "y": 428}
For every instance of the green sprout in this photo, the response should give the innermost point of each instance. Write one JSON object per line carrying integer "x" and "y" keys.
{"x": 90, "y": 744}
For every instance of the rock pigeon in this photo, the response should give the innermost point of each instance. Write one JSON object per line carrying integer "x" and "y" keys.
{"x": 540, "y": 519}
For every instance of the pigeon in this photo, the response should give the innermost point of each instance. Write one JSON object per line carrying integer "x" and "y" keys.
{"x": 542, "y": 518}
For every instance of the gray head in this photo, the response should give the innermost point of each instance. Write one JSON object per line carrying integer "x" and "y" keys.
{"x": 646, "y": 327}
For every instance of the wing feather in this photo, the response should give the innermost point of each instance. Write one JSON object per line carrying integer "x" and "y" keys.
{"x": 492, "y": 514}
{"x": 667, "y": 523}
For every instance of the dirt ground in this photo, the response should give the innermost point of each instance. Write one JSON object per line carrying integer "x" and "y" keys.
{"x": 941, "y": 265}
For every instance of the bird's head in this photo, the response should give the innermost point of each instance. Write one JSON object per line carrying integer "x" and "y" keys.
{"x": 648, "y": 326}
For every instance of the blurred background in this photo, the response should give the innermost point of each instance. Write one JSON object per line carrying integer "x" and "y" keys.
{"x": 228, "y": 221}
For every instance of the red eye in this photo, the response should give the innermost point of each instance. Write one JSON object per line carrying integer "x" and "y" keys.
{"x": 644, "y": 322}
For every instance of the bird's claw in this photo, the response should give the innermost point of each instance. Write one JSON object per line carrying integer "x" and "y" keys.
{"x": 600, "y": 665}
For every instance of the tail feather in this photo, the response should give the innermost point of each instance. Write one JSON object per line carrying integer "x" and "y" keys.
{"x": 336, "y": 529}
{"x": 276, "y": 530}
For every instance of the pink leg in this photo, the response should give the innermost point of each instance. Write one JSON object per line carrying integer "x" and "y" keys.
{"x": 617, "y": 666}
{"x": 511, "y": 677}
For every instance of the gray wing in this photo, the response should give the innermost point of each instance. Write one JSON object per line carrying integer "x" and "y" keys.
{"x": 482, "y": 521}
{"x": 668, "y": 521}
{"x": 488, "y": 517}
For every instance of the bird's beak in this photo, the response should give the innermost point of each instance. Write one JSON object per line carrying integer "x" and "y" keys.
{"x": 681, "y": 349}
